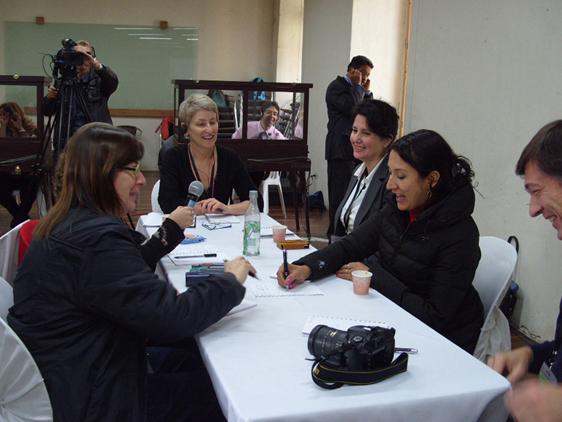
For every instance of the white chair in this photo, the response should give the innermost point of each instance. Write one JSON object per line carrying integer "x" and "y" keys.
{"x": 492, "y": 280}
{"x": 23, "y": 394}
{"x": 9, "y": 253}
{"x": 274, "y": 179}
{"x": 6, "y": 298}
{"x": 154, "y": 198}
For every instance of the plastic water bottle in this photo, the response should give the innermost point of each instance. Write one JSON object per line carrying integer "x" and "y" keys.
{"x": 252, "y": 227}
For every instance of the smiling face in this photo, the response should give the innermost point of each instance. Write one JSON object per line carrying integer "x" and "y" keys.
{"x": 367, "y": 145}
{"x": 127, "y": 184}
{"x": 546, "y": 196}
{"x": 270, "y": 117}
{"x": 203, "y": 129}
{"x": 409, "y": 187}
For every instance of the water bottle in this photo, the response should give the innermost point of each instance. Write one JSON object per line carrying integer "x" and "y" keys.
{"x": 252, "y": 227}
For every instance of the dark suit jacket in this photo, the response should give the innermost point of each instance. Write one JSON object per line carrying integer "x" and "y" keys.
{"x": 372, "y": 201}
{"x": 341, "y": 97}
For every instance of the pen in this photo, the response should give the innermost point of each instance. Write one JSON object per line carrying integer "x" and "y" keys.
{"x": 285, "y": 267}
{"x": 205, "y": 255}
{"x": 408, "y": 350}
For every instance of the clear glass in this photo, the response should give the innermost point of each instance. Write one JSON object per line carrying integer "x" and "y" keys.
{"x": 252, "y": 227}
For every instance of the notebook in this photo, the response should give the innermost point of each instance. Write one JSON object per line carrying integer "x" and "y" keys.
{"x": 341, "y": 323}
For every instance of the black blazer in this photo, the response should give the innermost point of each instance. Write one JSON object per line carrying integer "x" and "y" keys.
{"x": 341, "y": 97}
{"x": 372, "y": 201}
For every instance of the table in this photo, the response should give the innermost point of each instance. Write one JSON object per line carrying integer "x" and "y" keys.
{"x": 256, "y": 358}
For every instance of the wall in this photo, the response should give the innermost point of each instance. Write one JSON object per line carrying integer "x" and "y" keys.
{"x": 486, "y": 75}
{"x": 379, "y": 32}
{"x": 236, "y": 37}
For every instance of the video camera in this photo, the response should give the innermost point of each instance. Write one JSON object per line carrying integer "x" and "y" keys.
{"x": 66, "y": 60}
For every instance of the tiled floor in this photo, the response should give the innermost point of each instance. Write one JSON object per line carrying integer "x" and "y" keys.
{"x": 318, "y": 224}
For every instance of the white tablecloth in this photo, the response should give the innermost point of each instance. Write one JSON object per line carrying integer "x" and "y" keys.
{"x": 256, "y": 358}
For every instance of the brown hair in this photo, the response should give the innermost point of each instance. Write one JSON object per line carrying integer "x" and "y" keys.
{"x": 91, "y": 160}
{"x": 12, "y": 109}
{"x": 545, "y": 149}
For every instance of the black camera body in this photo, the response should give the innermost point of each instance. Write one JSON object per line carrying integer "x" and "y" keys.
{"x": 66, "y": 60}
{"x": 360, "y": 348}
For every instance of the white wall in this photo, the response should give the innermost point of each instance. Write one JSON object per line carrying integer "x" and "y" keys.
{"x": 326, "y": 54}
{"x": 235, "y": 37}
{"x": 379, "y": 32}
{"x": 486, "y": 75}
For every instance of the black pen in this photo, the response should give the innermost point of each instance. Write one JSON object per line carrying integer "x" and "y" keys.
{"x": 285, "y": 267}
{"x": 205, "y": 255}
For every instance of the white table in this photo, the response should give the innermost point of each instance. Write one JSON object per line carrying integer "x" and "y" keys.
{"x": 256, "y": 358}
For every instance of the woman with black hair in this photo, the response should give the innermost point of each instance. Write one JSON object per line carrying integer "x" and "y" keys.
{"x": 425, "y": 242}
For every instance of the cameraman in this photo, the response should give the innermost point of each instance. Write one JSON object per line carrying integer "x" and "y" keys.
{"x": 95, "y": 82}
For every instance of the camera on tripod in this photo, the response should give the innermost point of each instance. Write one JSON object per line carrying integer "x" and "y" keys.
{"x": 359, "y": 348}
{"x": 66, "y": 60}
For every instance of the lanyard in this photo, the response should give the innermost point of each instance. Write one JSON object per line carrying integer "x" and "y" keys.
{"x": 358, "y": 191}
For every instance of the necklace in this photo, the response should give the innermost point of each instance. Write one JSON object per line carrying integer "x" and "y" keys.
{"x": 209, "y": 175}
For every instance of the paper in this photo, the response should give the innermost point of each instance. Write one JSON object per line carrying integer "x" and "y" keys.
{"x": 196, "y": 253}
{"x": 222, "y": 219}
{"x": 245, "y": 304}
{"x": 269, "y": 289}
{"x": 153, "y": 219}
{"x": 341, "y": 323}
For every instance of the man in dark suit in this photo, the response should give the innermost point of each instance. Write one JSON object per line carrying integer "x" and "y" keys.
{"x": 341, "y": 96}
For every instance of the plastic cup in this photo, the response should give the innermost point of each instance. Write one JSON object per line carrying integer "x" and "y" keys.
{"x": 279, "y": 233}
{"x": 361, "y": 281}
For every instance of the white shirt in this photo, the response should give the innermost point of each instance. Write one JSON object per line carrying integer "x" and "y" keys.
{"x": 355, "y": 198}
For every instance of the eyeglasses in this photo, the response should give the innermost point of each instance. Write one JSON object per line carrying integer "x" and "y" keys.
{"x": 136, "y": 170}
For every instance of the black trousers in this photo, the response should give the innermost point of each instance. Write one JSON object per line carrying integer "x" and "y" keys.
{"x": 339, "y": 175}
{"x": 178, "y": 387}
{"x": 27, "y": 185}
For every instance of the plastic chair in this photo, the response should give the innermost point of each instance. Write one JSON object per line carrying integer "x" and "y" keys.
{"x": 492, "y": 280}
{"x": 154, "y": 198}
{"x": 23, "y": 393}
{"x": 6, "y": 298}
{"x": 274, "y": 179}
{"x": 9, "y": 244}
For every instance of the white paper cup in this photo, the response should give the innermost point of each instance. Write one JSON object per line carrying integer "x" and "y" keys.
{"x": 279, "y": 233}
{"x": 361, "y": 281}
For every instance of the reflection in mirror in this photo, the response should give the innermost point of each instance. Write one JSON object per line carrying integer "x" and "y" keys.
{"x": 18, "y": 112}
{"x": 272, "y": 115}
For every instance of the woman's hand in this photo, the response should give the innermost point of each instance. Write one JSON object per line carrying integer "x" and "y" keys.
{"x": 515, "y": 363}
{"x": 346, "y": 270}
{"x": 297, "y": 275}
{"x": 210, "y": 206}
{"x": 240, "y": 267}
{"x": 182, "y": 216}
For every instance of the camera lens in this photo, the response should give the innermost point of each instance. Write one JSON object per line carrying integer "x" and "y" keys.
{"x": 327, "y": 343}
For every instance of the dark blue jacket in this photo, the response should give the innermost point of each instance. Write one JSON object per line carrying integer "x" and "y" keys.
{"x": 543, "y": 351}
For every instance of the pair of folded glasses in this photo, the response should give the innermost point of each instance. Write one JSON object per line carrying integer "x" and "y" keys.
{"x": 216, "y": 226}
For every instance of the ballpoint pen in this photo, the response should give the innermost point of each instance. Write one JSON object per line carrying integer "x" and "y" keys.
{"x": 285, "y": 267}
{"x": 408, "y": 350}
{"x": 204, "y": 255}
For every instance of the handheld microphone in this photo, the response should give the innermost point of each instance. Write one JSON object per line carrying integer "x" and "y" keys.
{"x": 195, "y": 190}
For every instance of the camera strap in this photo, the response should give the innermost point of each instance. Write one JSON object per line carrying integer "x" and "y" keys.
{"x": 329, "y": 377}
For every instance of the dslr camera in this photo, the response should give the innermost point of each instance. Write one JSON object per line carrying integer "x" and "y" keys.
{"x": 360, "y": 348}
{"x": 66, "y": 60}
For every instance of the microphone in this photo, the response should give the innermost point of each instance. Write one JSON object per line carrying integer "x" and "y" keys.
{"x": 195, "y": 190}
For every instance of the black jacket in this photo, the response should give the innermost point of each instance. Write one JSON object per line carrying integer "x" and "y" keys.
{"x": 176, "y": 175}
{"x": 86, "y": 302}
{"x": 341, "y": 97}
{"x": 427, "y": 267}
{"x": 372, "y": 201}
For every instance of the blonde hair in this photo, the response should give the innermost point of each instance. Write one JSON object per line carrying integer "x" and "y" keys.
{"x": 195, "y": 103}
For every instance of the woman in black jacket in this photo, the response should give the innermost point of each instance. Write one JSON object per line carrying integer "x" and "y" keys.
{"x": 425, "y": 241}
{"x": 86, "y": 299}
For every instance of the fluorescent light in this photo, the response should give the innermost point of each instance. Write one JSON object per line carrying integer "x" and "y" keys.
{"x": 144, "y": 35}
{"x": 154, "y": 38}
{"x": 133, "y": 29}
{"x": 192, "y": 39}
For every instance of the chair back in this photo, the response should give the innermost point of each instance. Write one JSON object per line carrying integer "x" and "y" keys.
{"x": 492, "y": 280}
{"x": 494, "y": 270}
{"x": 23, "y": 393}
{"x": 154, "y": 198}
{"x": 6, "y": 298}
{"x": 9, "y": 244}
